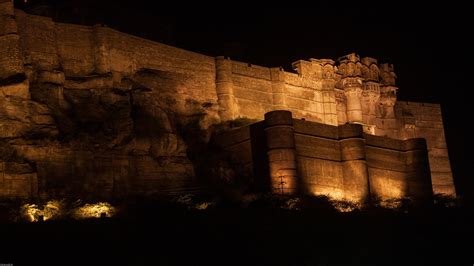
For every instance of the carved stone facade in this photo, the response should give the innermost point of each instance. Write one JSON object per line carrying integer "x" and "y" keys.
{"x": 60, "y": 84}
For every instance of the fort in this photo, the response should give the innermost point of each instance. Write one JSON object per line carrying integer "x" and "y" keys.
{"x": 90, "y": 110}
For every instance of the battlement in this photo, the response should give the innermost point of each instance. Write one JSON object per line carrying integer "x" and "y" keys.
{"x": 350, "y": 65}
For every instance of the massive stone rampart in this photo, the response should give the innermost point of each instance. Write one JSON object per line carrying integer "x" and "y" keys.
{"x": 341, "y": 162}
{"x": 93, "y": 90}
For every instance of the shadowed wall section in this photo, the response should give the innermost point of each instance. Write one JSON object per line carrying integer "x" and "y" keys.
{"x": 281, "y": 152}
{"x": 398, "y": 168}
{"x": 424, "y": 120}
{"x": 341, "y": 162}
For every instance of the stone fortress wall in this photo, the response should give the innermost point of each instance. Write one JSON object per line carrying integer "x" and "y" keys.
{"x": 293, "y": 156}
{"x": 72, "y": 60}
{"x": 353, "y": 90}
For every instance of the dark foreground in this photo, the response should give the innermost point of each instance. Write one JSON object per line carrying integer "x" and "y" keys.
{"x": 152, "y": 234}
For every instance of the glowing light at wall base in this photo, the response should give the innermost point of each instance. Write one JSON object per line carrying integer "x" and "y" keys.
{"x": 345, "y": 206}
{"x": 340, "y": 205}
{"x": 51, "y": 210}
{"x": 96, "y": 210}
{"x": 56, "y": 209}
{"x": 334, "y": 194}
{"x": 393, "y": 203}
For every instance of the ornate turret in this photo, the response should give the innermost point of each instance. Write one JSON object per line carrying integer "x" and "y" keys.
{"x": 370, "y": 70}
{"x": 350, "y": 70}
{"x": 388, "y": 90}
{"x": 371, "y": 92}
{"x": 387, "y": 74}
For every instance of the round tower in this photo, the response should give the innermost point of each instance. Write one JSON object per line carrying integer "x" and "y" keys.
{"x": 281, "y": 152}
{"x": 224, "y": 88}
{"x": 353, "y": 91}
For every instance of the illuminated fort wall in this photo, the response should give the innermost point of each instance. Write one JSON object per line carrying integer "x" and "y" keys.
{"x": 355, "y": 90}
{"x": 352, "y": 90}
{"x": 341, "y": 162}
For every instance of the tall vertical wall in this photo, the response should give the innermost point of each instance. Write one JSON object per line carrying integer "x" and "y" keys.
{"x": 83, "y": 51}
{"x": 12, "y": 70}
{"x": 398, "y": 168}
{"x": 17, "y": 176}
{"x": 94, "y": 75}
{"x": 257, "y": 90}
{"x": 11, "y": 59}
{"x": 424, "y": 120}
{"x": 354, "y": 90}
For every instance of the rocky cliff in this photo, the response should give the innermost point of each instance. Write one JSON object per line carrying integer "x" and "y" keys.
{"x": 78, "y": 136}
{"x": 70, "y": 130}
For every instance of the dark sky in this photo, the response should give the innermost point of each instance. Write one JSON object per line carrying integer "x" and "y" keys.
{"x": 427, "y": 43}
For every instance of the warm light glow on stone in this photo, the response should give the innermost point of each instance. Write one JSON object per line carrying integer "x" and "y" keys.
{"x": 369, "y": 129}
{"x": 94, "y": 210}
{"x": 55, "y": 209}
{"x": 388, "y": 188}
{"x": 333, "y": 194}
{"x": 51, "y": 210}
{"x": 338, "y": 200}
{"x": 31, "y": 212}
{"x": 392, "y": 204}
{"x": 294, "y": 204}
{"x": 344, "y": 206}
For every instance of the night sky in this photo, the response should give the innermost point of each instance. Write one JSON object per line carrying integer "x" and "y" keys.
{"x": 427, "y": 44}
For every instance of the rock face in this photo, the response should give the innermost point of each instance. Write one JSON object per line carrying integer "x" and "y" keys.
{"x": 78, "y": 138}
{"x": 96, "y": 133}
{"x": 93, "y": 111}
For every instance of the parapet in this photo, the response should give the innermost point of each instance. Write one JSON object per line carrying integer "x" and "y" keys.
{"x": 315, "y": 69}
{"x": 350, "y": 131}
{"x": 368, "y": 61}
{"x": 322, "y": 62}
{"x": 347, "y": 66}
{"x": 352, "y": 57}
{"x": 387, "y": 74}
